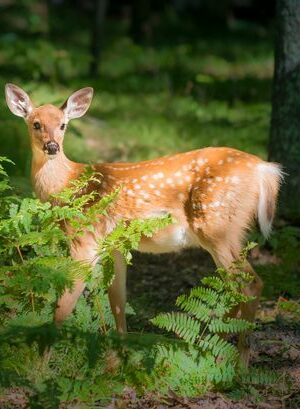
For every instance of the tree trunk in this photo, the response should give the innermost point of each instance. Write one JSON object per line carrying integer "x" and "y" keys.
{"x": 98, "y": 18}
{"x": 285, "y": 122}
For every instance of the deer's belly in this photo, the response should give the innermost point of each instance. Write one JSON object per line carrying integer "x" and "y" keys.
{"x": 172, "y": 238}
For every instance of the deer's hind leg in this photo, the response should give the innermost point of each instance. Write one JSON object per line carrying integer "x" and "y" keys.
{"x": 225, "y": 251}
{"x": 224, "y": 256}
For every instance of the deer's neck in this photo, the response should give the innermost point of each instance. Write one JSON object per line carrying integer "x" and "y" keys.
{"x": 50, "y": 176}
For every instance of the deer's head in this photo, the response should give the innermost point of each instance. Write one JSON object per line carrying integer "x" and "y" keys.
{"x": 47, "y": 123}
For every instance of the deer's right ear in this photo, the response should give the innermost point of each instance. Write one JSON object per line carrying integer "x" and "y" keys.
{"x": 18, "y": 101}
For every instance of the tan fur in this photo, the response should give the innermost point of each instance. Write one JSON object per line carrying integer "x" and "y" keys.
{"x": 212, "y": 193}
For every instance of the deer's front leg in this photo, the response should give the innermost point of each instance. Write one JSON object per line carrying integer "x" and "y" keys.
{"x": 68, "y": 300}
{"x": 117, "y": 292}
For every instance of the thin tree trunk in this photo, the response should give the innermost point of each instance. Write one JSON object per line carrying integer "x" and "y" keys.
{"x": 99, "y": 13}
{"x": 285, "y": 122}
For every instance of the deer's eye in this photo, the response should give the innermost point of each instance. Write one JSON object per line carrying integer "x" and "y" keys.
{"x": 37, "y": 125}
{"x": 62, "y": 126}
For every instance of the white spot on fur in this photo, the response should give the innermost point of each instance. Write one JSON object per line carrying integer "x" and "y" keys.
{"x": 158, "y": 175}
{"x": 235, "y": 180}
{"x": 215, "y": 204}
{"x": 200, "y": 162}
{"x": 145, "y": 194}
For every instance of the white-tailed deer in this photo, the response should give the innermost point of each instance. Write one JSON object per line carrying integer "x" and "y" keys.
{"x": 214, "y": 195}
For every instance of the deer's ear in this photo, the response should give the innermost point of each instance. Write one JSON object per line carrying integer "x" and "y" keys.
{"x": 78, "y": 103}
{"x": 18, "y": 101}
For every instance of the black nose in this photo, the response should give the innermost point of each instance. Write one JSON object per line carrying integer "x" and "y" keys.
{"x": 51, "y": 148}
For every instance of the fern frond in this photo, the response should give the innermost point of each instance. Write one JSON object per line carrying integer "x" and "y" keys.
{"x": 258, "y": 376}
{"x": 214, "y": 282}
{"x": 230, "y": 325}
{"x": 218, "y": 347}
{"x": 195, "y": 307}
{"x": 181, "y": 324}
{"x": 207, "y": 295}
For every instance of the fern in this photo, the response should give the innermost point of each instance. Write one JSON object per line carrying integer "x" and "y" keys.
{"x": 183, "y": 325}
{"x": 124, "y": 238}
{"x": 202, "y": 320}
{"x": 231, "y": 325}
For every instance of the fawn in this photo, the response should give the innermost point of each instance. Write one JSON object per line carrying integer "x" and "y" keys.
{"x": 214, "y": 195}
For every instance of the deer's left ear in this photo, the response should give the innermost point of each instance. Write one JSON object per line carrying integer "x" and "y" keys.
{"x": 78, "y": 103}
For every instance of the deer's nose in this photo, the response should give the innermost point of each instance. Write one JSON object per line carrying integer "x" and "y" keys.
{"x": 51, "y": 148}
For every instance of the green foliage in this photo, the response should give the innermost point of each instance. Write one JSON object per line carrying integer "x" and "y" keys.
{"x": 35, "y": 269}
{"x": 35, "y": 266}
{"x": 210, "y": 358}
{"x": 289, "y": 309}
{"x": 126, "y": 237}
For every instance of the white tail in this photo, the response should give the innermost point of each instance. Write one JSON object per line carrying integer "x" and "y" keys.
{"x": 270, "y": 176}
{"x": 214, "y": 194}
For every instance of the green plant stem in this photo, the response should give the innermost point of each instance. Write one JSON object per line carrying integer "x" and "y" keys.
{"x": 102, "y": 318}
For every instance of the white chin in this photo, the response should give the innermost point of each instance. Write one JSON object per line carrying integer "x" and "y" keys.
{"x": 51, "y": 157}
